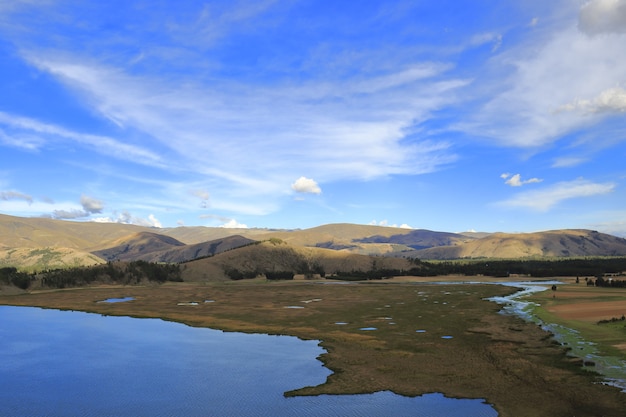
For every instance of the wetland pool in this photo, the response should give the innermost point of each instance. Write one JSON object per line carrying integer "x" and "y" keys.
{"x": 65, "y": 363}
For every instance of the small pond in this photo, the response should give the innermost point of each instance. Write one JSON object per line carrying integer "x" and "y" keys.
{"x": 117, "y": 300}
{"x": 61, "y": 363}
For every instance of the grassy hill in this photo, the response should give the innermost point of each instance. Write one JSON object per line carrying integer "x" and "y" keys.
{"x": 153, "y": 247}
{"x": 555, "y": 243}
{"x": 41, "y": 243}
{"x": 278, "y": 255}
{"x": 43, "y": 258}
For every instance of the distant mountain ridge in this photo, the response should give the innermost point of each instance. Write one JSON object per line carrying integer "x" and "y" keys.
{"x": 38, "y": 243}
{"x": 153, "y": 247}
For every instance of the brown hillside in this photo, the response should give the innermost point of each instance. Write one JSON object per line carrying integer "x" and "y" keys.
{"x": 43, "y": 258}
{"x": 35, "y": 232}
{"x": 138, "y": 246}
{"x": 281, "y": 256}
{"x": 419, "y": 239}
{"x": 555, "y": 243}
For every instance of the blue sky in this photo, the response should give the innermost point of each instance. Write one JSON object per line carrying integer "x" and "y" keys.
{"x": 449, "y": 115}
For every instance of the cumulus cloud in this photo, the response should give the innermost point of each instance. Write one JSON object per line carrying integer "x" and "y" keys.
{"x": 385, "y": 223}
{"x": 306, "y": 185}
{"x": 546, "y": 198}
{"x": 226, "y": 222}
{"x": 14, "y": 195}
{"x": 126, "y": 217}
{"x": 603, "y": 16}
{"x": 516, "y": 180}
{"x": 612, "y": 100}
{"x": 233, "y": 224}
{"x": 91, "y": 205}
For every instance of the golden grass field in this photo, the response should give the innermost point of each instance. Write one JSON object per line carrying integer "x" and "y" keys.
{"x": 512, "y": 364}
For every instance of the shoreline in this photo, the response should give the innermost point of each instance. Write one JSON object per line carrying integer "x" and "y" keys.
{"x": 510, "y": 363}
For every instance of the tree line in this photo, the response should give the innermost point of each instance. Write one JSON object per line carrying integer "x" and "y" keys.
{"x": 536, "y": 268}
{"x": 114, "y": 272}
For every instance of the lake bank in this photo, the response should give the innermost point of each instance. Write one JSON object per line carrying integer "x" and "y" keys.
{"x": 510, "y": 363}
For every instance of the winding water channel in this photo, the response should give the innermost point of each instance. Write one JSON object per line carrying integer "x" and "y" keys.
{"x": 613, "y": 369}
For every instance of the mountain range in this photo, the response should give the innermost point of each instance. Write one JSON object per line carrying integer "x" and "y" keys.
{"x": 41, "y": 243}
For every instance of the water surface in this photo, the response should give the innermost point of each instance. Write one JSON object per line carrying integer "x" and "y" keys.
{"x": 60, "y": 363}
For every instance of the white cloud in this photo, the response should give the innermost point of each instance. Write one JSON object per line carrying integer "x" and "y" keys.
{"x": 201, "y": 194}
{"x": 516, "y": 180}
{"x": 335, "y": 129}
{"x": 233, "y": 224}
{"x": 612, "y": 100}
{"x": 306, "y": 185}
{"x": 126, "y": 217}
{"x": 565, "y": 162}
{"x": 154, "y": 221}
{"x": 532, "y": 81}
{"x": 603, "y": 16}
{"x": 385, "y": 223}
{"x": 24, "y": 127}
{"x": 546, "y": 198}
{"x": 489, "y": 37}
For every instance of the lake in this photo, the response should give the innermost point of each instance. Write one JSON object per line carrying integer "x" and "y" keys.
{"x": 63, "y": 363}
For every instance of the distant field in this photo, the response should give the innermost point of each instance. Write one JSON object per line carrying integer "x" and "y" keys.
{"x": 582, "y": 307}
{"x": 427, "y": 338}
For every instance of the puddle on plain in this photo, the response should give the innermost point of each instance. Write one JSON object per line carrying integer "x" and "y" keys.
{"x": 446, "y": 337}
{"x": 367, "y": 329}
{"x": 209, "y": 301}
{"x": 189, "y": 303}
{"x": 117, "y": 300}
{"x": 341, "y": 323}
{"x": 420, "y": 331}
{"x": 294, "y": 307}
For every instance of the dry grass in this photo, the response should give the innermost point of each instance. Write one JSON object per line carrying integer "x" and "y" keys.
{"x": 501, "y": 358}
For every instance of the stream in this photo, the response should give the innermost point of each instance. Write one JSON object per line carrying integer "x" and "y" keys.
{"x": 613, "y": 369}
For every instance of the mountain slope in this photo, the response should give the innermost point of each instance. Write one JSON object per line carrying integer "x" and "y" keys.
{"x": 34, "y": 232}
{"x": 554, "y": 243}
{"x": 153, "y": 247}
{"x": 419, "y": 239}
{"x": 278, "y": 255}
{"x": 43, "y": 258}
{"x": 138, "y": 246}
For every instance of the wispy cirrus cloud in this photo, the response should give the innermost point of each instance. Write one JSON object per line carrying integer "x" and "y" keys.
{"x": 45, "y": 132}
{"x": 560, "y": 69}
{"x": 546, "y": 198}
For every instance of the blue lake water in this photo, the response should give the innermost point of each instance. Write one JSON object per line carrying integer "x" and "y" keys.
{"x": 62, "y": 363}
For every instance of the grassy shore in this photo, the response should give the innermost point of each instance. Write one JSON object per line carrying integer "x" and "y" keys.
{"x": 595, "y": 312}
{"x": 428, "y": 338}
